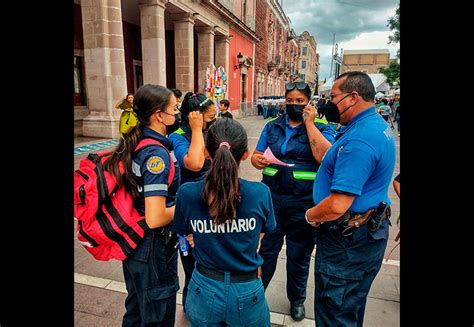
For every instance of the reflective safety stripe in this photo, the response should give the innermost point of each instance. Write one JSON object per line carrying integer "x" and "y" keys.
{"x": 269, "y": 171}
{"x": 156, "y": 187}
{"x": 136, "y": 169}
{"x": 304, "y": 175}
{"x": 179, "y": 131}
{"x": 320, "y": 120}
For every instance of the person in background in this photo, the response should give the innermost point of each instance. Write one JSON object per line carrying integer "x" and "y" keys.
{"x": 224, "y": 105}
{"x": 125, "y": 103}
{"x": 397, "y": 117}
{"x": 227, "y": 217}
{"x": 198, "y": 114}
{"x": 128, "y": 118}
{"x": 177, "y": 93}
{"x": 396, "y": 187}
{"x": 292, "y": 139}
{"x": 151, "y": 285}
{"x": 320, "y": 104}
{"x": 352, "y": 206}
{"x": 259, "y": 106}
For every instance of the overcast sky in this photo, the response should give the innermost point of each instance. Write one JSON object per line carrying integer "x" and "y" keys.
{"x": 358, "y": 24}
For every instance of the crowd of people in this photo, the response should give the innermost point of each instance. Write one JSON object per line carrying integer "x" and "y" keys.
{"x": 329, "y": 187}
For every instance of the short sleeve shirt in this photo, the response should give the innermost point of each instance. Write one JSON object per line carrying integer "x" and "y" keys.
{"x": 180, "y": 147}
{"x": 231, "y": 246}
{"x": 360, "y": 162}
{"x": 328, "y": 132}
{"x": 152, "y": 167}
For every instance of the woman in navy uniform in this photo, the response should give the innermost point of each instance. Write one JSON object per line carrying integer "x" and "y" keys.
{"x": 227, "y": 217}
{"x": 150, "y": 272}
{"x": 198, "y": 114}
{"x": 292, "y": 139}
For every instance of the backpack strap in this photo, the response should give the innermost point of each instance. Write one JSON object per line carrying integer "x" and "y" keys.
{"x": 146, "y": 142}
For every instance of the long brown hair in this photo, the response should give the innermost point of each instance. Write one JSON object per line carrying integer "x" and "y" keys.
{"x": 226, "y": 143}
{"x": 148, "y": 100}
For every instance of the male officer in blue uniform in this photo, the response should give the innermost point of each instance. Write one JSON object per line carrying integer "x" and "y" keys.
{"x": 353, "y": 181}
{"x": 289, "y": 138}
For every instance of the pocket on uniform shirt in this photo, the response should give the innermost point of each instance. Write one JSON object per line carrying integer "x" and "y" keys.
{"x": 272, "y": 138}
{"x": 199, "y": 302}
{"x": 253, "y": 308}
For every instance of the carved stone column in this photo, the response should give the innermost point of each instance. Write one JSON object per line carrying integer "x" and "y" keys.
{"x": 184, "y": 51}
{"x": 205, "y": 53}
{"x": 152, "y": 20}
{"x": 104, "y": 66}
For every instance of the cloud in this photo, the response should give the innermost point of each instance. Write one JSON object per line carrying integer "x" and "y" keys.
{"x": 356, "y": 24}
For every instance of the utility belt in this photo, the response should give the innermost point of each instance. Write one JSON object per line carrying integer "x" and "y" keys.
{"x": 235, "y": 276}
{"x": 372, "y": 217}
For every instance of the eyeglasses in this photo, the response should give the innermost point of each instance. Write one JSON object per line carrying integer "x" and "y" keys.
{"x": 299, "y": 85}
{"x": 331, "y": 96}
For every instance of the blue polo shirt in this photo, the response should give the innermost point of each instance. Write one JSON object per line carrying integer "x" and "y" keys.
{"x": 360, "y": 162}
{"x": 328, "y": 132}
{"x": 230, "y": 246}
{"x": 152, "y": 167}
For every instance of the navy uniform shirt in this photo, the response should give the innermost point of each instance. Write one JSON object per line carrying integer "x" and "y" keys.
{"x": 230, "y": 246}
{"x": 152, "y": 167}
{"x": 360, "y": 162}
{"x": 328, "y": 131}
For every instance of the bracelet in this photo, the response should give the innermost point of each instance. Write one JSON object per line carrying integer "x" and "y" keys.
{"x": 312, "y": 223}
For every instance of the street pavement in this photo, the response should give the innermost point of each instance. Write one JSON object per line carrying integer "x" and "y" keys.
{"x": 99, "y": 289}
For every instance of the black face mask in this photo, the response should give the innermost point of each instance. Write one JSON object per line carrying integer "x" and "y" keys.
{"x": 209, "y": 123}
{"x": 173, "y": 127}
{"x": 295, "y": 111}
{"x": 332, "y": 113}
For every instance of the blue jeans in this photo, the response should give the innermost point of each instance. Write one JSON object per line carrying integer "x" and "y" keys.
{"x": 151, "y": 278}
{"x": 215, "y": 303}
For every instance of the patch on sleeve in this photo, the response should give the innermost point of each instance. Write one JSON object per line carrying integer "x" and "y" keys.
{"x": 155, "y": 165}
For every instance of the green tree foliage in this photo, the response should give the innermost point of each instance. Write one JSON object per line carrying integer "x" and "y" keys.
{"x": 392, "y": 72}
{"x": 394, "y": 25}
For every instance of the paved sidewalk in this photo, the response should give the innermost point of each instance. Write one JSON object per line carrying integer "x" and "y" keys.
{"x": 100, "y": 290}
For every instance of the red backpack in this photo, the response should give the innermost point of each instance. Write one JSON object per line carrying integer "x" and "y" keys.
{"x": 108, "y": 224}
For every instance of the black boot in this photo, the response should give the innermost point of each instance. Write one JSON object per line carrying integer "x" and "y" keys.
{"x": 297, "y": 311}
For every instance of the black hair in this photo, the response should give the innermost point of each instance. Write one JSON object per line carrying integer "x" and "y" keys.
{"x": 193, "y": 102}
{"x": 221, "y": 184}
{"x": 360, "y": 82}
{"x": 225, "y": 102}
{"x": 385, "y": 101}
{"x": 148, "y": 100}
{"x": 177, "y": 92}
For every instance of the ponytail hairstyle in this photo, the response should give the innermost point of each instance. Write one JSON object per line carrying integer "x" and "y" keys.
{"x": 148, "y": 100}
{"x": 226, "y": 143}
{"x": 192, "y": 102}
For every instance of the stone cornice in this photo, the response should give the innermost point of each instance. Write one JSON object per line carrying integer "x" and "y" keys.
{"x": 233, "y": 21}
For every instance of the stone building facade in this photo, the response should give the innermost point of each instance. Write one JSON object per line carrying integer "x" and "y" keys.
{"x": 272, "y": 26}
{"x": 308, "y": 61}
{"x": 368, "y": 61}
{"x": 121, "y": 45}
